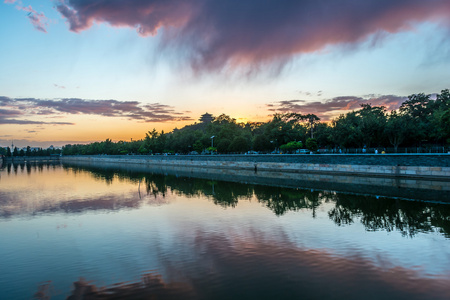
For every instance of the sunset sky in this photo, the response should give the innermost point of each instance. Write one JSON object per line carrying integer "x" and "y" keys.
{"x": 76, "y": 71}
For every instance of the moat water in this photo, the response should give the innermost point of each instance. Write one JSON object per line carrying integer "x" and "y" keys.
{"x": 69, "y": 232}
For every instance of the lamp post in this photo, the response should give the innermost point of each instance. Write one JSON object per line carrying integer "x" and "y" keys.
{"x": 212, "y": 144}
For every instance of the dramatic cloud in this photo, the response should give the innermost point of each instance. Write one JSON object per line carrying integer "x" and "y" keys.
{"x": 29, "y": 107}
{"x": 252, "y": 33}
{"x": 335, "y": 106}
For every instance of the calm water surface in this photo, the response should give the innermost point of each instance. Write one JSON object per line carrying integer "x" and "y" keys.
{"x": 72, "y": 232}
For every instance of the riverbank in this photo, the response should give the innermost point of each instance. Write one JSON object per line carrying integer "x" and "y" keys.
{"x": 423, "y": 166}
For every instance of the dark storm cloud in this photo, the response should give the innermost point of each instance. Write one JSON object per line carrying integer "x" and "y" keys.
{"x": 251, "y": 33}
{"x": 333, "y": 106}
{"x": 26, "y": 107}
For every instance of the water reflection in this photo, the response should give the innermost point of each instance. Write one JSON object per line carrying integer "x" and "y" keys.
{"x": 205, "y": 238}
{"x": 151, "y": 286}
{"x": 375, "y": 213}
{"x": 29, "y": 190}
{"x": 224, "y": 267}
{"x": 408, "y": 217}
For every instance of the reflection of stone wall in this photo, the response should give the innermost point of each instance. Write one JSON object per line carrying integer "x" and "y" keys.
{"x": 406, "y": 188}
{"x": 21, "y": 159}
{"x": 413, "y": 166}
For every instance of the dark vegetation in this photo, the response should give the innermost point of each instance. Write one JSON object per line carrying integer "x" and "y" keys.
{"x": 29, "y": 151}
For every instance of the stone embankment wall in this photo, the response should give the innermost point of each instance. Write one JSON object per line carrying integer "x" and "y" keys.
{"x": 432, "y": 166}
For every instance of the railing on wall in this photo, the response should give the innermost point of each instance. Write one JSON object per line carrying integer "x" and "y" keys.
{"x": 379, "y": 150}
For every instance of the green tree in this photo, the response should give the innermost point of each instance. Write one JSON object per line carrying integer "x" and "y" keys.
{"x": 262, "y": 143}
{"x": 397, "y": 128}
{"x": 239, "y": 144}
{"x": 372, "y": 124}
{"x": 284, "y": 128}
{"x": 446, "y": 124}
{"x": 223, "y": 145}
{"x": 291, "y": 146}
{"x": 418, "y": 108}
{"x": 311, "y": 145}
{"x": 323, "y": 133}
{"x": 346, "y": 131}
{"x": 198, "y": 146}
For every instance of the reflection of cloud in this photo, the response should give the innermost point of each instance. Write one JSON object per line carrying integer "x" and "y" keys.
{"x": 20, "y": 107}
{"x": 221, "y": 266}
{"x": 14, "y": 202}
{"x": 259, "y": 266}
{"x": 10, "y": 205}
{"x": 335, "y": 105}
{"x": 252, "y": 33}
{"x": 151, "y": 286}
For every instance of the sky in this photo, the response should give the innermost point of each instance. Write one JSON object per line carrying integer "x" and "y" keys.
{"x": 78, "y": 71}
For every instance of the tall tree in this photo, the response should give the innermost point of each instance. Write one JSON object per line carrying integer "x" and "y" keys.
{"x": 419, "y": 108}
{"x": 372, "y": 124}
{"x": 397, "y": 128}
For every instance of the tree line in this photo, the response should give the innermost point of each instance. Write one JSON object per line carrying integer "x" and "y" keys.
{"x": 29, "y": 151}
{"x": 421, "y": 120}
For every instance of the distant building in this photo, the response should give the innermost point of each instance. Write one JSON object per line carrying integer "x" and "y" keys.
{"x": 206, "y": 118}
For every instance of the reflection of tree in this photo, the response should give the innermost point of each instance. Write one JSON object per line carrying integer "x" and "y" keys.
{"x": 228, "y": 194}
{"x": 407, "y": 217}
{"x": 280, "y": 200}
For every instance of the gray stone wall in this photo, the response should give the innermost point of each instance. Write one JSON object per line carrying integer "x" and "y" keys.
{"x": 413, "y": 165}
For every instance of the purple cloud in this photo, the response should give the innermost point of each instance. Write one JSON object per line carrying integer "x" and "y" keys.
{"x": 251, "y": 33}
{"x": 4, "y": 121}
{"x": 37, "y": 19}
{"x": 134, "y": 110}
{"x": 332, "y": 107}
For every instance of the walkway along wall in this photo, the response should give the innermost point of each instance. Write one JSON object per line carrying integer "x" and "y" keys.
{"x": 424, "y": 166}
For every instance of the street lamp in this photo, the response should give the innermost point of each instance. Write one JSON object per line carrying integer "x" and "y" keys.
{"x": 212, "y": 144}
